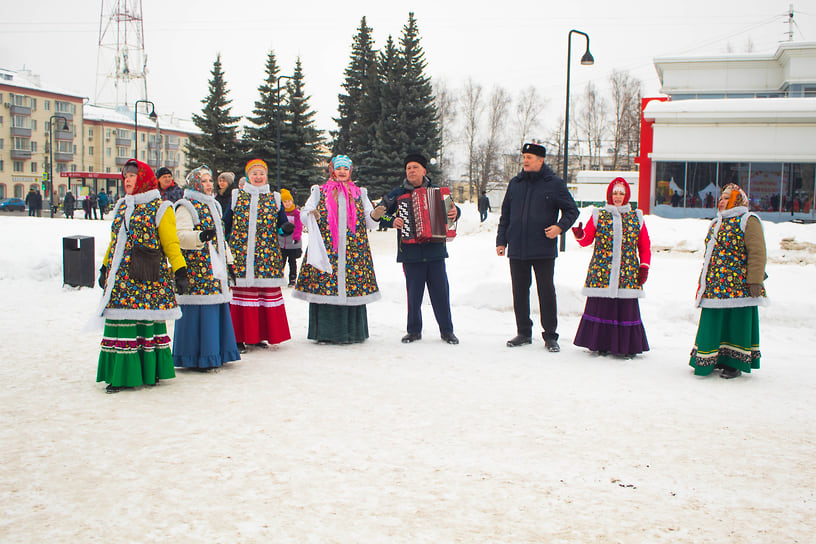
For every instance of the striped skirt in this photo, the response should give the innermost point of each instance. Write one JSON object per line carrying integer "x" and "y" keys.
{"x": 726, "y": 338}
{"x": 258, "y": 314}
{"x": 134, "y": 353}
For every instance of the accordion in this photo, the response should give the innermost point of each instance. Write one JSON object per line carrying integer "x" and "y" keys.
{"x": 424, "y": 212}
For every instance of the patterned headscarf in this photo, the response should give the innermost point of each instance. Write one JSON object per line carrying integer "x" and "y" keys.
{"x": 331, "y": 188}
{"x": 145, "y": 178}
{"x": 737, "y": 197}
{"x": 614, "y": 184}
{"x": 194, "y": 178}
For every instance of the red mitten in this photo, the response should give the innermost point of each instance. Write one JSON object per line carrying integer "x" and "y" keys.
{"x": 578, "y": 231}
{"x": 643, "y": 274}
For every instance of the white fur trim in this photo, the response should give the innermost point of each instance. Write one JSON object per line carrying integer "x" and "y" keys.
{"x": 316, "y": 254}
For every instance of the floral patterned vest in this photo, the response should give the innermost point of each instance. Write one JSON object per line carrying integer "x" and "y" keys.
{"x": 724, "y": 278}
{"x": 352, "y": 281}
{"x": 258, "y": 260}
{"x": 136, "y": 219}
{"x": 613, "y": 269}
{"x": 202, "y": 264}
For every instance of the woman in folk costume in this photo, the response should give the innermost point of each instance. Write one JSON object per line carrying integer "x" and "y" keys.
{"x": 258, "y": 313}
{"x": 204, "y": 338}
{"x": 730, "y": 290}
{"x": 337, "y": 274}
{"x": 617, "y": 271}
{"x": 138, "y": 285}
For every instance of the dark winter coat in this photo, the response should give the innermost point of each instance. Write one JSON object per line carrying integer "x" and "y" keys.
{"x": 34, "y": 200}
{"x": 413, "y": 253}
{"x": 532, "y": 203}
{"x": 173, "y": 193}
{"x": 68, "y": 203}
{"x": 225, "y": 199}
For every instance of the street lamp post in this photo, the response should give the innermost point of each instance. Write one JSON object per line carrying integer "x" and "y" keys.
{"x": 152, "y": 116}
{"x": 51, "y": 157}
{"x": 277, "y": 123}
{"x": 586, "y": 60}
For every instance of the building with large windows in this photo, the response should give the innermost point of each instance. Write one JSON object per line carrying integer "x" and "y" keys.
{"x": 27, "y": 112}
{"x": 748, "y": 119}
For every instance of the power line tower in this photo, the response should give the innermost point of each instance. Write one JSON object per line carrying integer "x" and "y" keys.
{"x": 121, "y": 64}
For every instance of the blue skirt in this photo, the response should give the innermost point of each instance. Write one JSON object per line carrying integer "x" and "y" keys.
{"x": 204, "y": 337}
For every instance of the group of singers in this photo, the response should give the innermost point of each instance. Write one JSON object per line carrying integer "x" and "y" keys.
{"x": 177, "y": 261}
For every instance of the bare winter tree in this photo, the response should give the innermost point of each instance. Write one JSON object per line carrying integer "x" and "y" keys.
{"x": 591, "y": 124}
{"x": 528, "y": 110}
{"x": 446, "y": 111}
{"x": 554, "y": 144}
{"x": 626, "y": 92}
{"x": 472, "y": 109}
{"x": 491, "y": 164}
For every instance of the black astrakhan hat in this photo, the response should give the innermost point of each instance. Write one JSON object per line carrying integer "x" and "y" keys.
{"x": 416, "y": 157}
{"x": 535, "y": 149}
{"x": 162, "y": 171}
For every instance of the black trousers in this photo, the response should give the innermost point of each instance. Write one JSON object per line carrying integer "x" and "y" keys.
{"x": 521, "y": 271}
{"x": 435, "y": 276}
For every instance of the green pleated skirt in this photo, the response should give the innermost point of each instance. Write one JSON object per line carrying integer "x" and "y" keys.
{"x": 134, "y": 353}
{"x": 726, "y": 338}
{"x": 337, "y": 324}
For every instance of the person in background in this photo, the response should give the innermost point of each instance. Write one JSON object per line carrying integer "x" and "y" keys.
{"x": 223, "y": 195}
{"x": 484, "y": 206}
{"x": 730, "y": 290}
{"x": 137, "y": 283}
{"x": 423, "y": 264}
{"x": 68, "y": 204}
{"x": 337, "y": 276}
{"x": 528, "y": 233}
{"x": 102, "y": 200}
{"x": 34, "y": 201}
{"x": 86, "y": 206}
{"x": 618, "y": 269}
{"x": 258, "y": 312}
{"x": 203, "y": 338}
{"x": 93, "y": 204}
{"x": 167, "y": 186}
{"x": 291, "y": 245}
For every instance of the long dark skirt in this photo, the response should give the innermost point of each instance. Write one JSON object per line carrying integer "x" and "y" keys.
{"x": 204, "y": 337}
{"x": 726, "y": 338}
{"x": 337, "y": 324}
{"x": 612, "y": 325}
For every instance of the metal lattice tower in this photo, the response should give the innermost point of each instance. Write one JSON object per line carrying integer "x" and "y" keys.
{"x": 121, "y": 64}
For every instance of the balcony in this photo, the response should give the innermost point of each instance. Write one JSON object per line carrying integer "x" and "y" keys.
{"x": 171, "y": 146}
{"x": 63, "y": 135}
{"x": 124, "y": 142}
{"x": 20, "y": 110}
{"x": 171, "y": 163}
{"x": 153, "y": 145}
{"x": 121, "y": 161}
{"x": 22, "y": 132}
{"x": 63, "y": 157}
{"x": 20, "y": 154}
{"x": 67, "y": 116}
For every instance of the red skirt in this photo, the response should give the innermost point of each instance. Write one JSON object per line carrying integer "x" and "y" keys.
{"x": 258, "y": 314}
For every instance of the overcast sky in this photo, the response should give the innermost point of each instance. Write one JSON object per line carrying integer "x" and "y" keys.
{"x": 512, "y": 44}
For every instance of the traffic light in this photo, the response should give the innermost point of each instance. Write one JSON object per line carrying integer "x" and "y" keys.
{"x": 44, "y": 186}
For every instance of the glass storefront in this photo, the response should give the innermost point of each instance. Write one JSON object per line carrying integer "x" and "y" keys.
{"x": 776, "y": 191}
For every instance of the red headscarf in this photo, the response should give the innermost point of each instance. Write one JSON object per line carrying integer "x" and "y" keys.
{"x": 612, "y": 184}
{"x": 145, "y": 178}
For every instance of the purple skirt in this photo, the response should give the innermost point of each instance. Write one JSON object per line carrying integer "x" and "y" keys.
{"x": 613, "y": 325}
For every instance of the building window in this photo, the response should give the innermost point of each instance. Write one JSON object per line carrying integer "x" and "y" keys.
{"x": 33, "y": 124}
{"x": 47, "y": 105}
{"x": 19, "y": 166}
{"x": 20, "y": 121}
{"x": 90, "y": 150}
{"x": 90, "y": 133}
{"x": 73, "y": 167}
{"x": 33, "y": 167}
{"x": 34, "y": 104}
{"x": 1, "y": 165}
{"x": 108, "y": 151}
{"x": 21, "y": 144}
{"x": 1, "y": 143}
{"x": 123, "y": 134}
{"x": 107, "y": 169}
{"x": 64, "y": 147}
{"x": 33, "y": 146}
{"x": 122, "y": 151}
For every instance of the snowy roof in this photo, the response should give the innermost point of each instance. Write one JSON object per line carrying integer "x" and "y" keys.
{"x": 125, "y": 116}
{"x": 25, "y": 79}
{"x": 788, "y": 110}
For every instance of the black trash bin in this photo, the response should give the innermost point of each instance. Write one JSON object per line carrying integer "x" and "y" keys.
{"x": 78, "y": 261}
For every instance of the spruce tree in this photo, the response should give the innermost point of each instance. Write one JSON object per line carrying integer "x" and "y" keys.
{"x": 300, "y": 140}
{"x": 349, "y": 139}
{"x": 418, "y": 106}
{"x": 261, "y": 136}
{"x": 218, "y": 145}
{"x": 390, "y": 143}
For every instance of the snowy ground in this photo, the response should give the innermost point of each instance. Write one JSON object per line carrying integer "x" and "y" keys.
{"x": 383, "y": 442}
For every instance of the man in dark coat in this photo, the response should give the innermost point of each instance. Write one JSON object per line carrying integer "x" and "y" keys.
{"x": 528, "y": 231}
{"x": 423, "y": 264}
{"x": 484, "y": 206}
{"x": 68, "y": 205}
{"x": 34, "y": 201}
{"x": 167, "y": 187}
